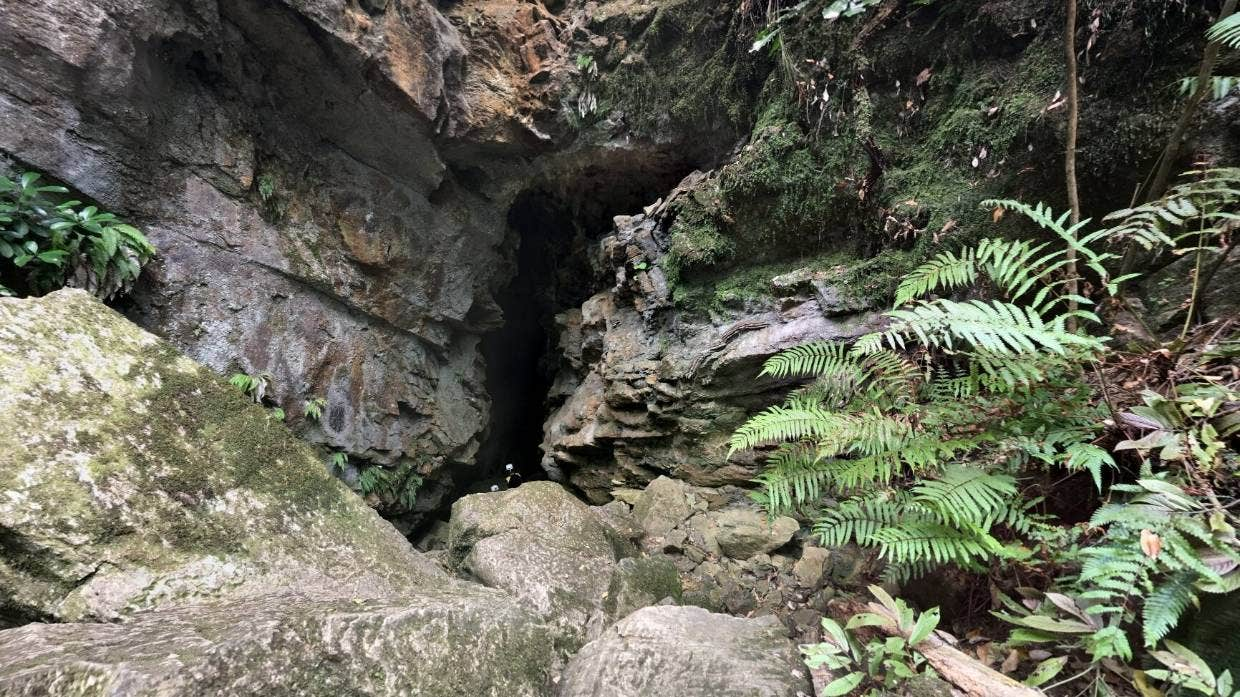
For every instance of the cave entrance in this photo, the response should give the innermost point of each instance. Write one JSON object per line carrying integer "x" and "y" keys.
{"x": 555, "y": 229}
{"x": 553, "y": 274}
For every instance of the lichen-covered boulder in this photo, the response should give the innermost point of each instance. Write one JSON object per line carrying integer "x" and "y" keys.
{"x": 687, "y": 652}
{"x": 133, "y": 478}
{"x": 556, "y": 554}
{"x": 433, "y": 643}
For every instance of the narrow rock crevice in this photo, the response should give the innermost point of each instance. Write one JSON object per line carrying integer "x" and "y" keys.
{"x": 554, "y": 229}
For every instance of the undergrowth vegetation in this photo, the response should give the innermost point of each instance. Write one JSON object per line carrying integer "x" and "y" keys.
{"x": 48, "y": 242}
{"x": 944, "y": 440}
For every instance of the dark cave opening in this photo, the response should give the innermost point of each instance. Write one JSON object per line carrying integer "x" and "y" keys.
{"x": 555, "y": 230}
{"x": 553, "y": 274}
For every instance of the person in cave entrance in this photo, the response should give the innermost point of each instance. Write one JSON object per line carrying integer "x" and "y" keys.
{"x": 511, "y": 476}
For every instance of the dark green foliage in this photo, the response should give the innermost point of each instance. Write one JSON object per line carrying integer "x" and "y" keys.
{"x": 45, "y": 245}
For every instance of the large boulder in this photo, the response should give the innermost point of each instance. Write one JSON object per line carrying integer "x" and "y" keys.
{"x": 557, "y": 555}
{"x": 687, "y": 652}
{"x": 434, "y": 643}
{"x": 137, "y": 486}
{"x": 132, "y": 477}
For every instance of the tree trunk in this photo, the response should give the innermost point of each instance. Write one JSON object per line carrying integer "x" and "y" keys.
{"x": 1069, "y": 159}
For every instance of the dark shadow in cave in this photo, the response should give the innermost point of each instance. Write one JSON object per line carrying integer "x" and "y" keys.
{"x": 553, "y": 273}
{"x": 555, "y": 232}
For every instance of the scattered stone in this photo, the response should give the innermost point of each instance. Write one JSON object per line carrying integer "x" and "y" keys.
{"x": 811, "y": 567}
{"x": 664, "y": 505}
{"x": 746, "y": 532}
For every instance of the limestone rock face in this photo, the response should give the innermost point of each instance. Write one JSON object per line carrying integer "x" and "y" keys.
{"x": 688, "y": 652}
{"x": 557, "y": 555}
{"x": 648, "y": 388}
{"x": 132, "y": 477}
{"x": 137, "y": 486}
{"x": 328, "y": 183}
{"x": 433, "y": 643}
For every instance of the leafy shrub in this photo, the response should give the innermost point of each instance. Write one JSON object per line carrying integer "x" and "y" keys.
{"x": 46, "y": 245}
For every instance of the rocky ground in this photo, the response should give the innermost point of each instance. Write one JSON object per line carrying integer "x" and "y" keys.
{"x": 142, "y": 490}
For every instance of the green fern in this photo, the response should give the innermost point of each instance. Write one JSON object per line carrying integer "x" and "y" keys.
{"x": 1226, "y": 31}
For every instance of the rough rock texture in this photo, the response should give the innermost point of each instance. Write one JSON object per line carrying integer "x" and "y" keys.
{"x": 433, "y": 643}
{"x": 649, "y": 389}
{"x": 328, "y": 183}
{"x": 558, "y": 556}
{"x": 688, "y": 652}
{"x": 137, "y": 487}
{"x": 744, "y": 532}
{"x": 731, "y": 559}
{"x": 131, "y": 477}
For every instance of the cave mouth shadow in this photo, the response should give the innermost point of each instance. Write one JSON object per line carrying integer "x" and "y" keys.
{"x": 555, "y": 230}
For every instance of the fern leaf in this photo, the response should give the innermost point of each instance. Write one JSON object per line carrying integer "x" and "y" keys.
{"x": 1226, "y": 31}
{"x": 1164, "y": 607}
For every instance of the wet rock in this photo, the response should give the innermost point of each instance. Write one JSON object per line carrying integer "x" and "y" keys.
{"x": 688, "y": 652}
{"x": 746, "y": 532}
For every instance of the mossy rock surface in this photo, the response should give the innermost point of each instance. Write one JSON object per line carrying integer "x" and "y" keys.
{"x": 133, "y": 478}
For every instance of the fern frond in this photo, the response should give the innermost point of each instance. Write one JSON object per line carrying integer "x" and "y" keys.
{"x": 1226, "y": 31}
{"x": 996, "y": 326}
{"x": 1164, "y": 607}
{"x": 816, "y": 359}
{"x": 944, "y": 271}
{"x": 779, "y": 424}
{"x": 912, "y": 542}
{"x": 967, "y": 496}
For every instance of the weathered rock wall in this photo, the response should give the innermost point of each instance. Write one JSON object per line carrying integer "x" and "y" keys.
{"x": 872, "y": 148}
{"x": 327, "y": 182}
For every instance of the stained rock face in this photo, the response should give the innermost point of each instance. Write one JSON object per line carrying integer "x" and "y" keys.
{"x": 132, "y": 477}
{"x": 327, "y": 181}
{"x": 650, "y": 389}
{"x": 557, "y": 555}
{"x": 689, "y": 652}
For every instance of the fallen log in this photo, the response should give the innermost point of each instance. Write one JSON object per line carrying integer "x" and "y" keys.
{"x": 968, "y": 674}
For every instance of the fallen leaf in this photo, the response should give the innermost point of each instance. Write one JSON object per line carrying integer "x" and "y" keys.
{"x": 924, "y": 76}
{"x": 1151, "y": 544}
{"x": 997, "y": 214}
{"x": 1011, "y": 662}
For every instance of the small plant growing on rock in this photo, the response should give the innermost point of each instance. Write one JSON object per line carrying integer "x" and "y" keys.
{"x": 313, "y": 408}
{"x": 45, "y": 245}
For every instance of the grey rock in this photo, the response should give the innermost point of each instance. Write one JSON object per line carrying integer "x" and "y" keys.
{"x": 656, "y": 390}
{"x": 811, "y": 567}
{"x": 687, "y": 652}
{"x": 556, "y": 554}
{"x": 665, "y": 504}
{"x": 744, "y": 532}
{"x": 133, "y": 478}
{"x": 433, "y": 643}
{"x": 638, "y": 582}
